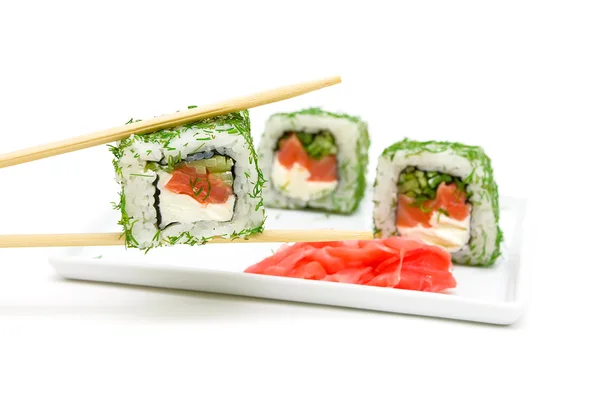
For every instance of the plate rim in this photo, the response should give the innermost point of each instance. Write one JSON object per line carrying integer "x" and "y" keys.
{"x": 512, "y": 310}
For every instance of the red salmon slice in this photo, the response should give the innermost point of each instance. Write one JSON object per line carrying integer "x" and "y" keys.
{"x": 204, "y": 188}
{"x": 448, "y": 197}
{"x": 408, "y": 215}
{"x": 453, "y": 200}
{"x": 396, "y": 262}
{"x": 324, "y": 169}
{"x": 291, "y": 151}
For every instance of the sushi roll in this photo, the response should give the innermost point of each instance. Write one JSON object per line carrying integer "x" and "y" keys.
{"x": 314, "y": 159}
{"x": 190, "y": 183}
{"x": 443, "y": 193}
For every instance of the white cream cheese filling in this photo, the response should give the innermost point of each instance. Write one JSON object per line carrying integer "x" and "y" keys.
{"x": 445, "y": 232}
{"x": 295, "y": 184}
{"x": 182, "y": 208}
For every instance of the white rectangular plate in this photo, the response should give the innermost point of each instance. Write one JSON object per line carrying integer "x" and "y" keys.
{"x": 489, "y": 295}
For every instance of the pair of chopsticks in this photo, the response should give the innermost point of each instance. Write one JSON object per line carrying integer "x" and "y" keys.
{"x": 158, "y": 123}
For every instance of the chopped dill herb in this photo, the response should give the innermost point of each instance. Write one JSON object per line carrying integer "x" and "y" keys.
{"x": 440, "y": 212}
{"x": 320, "y": 112}
{"x": 376, "y": 231}
{"x": 425, "y": 209}
{"x": 195, "y": 190}
{"x": 141, "y": 175}
{"x": 284, "y": 187}
{"x": 172, "y": 161}
{"x": 443, "y": 211}
{"x": 208, "y": 189}
{"x": 200, "y": 147}
{"x": 484, "y": 246}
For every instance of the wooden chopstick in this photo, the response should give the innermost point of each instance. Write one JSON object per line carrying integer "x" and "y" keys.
{"x": 115, "y": 239}
{"x": 166, "y": 121}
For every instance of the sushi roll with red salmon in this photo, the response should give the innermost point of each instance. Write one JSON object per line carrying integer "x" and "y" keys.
{"x": 187, "y": 184}
{"x": 443, "y": 193}
{"x": 314, "y": 159}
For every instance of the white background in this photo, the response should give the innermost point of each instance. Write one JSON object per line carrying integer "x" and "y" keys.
{"x": 520, "y": 78}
